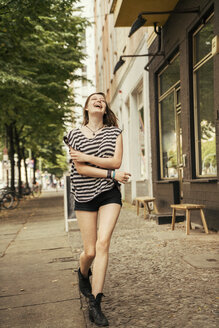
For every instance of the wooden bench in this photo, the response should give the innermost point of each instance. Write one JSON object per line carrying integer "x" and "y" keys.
{"x": 145, "y": 200}
{"x": 188, "y": 208}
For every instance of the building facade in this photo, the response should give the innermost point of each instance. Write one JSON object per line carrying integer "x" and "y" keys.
{"x": 184, "y": 101}
{"x": 127, "y": 93}
{"x": 85, "y": 86}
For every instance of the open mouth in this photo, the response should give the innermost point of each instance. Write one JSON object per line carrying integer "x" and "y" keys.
{"x": 98, "y": 106}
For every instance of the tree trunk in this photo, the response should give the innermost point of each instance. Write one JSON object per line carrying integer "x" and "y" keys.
{"x": 10, "y": 134}
{"x": 34, "y": 168}
{"x": 25, "y": 166}
{"x": 17, "y": 142}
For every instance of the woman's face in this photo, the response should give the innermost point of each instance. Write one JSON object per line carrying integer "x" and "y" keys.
{"x": 96, "y": 104}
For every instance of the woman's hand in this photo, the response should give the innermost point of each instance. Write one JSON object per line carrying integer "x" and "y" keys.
{"x": 78, "y": 156}
{"x": 122, "y": 177}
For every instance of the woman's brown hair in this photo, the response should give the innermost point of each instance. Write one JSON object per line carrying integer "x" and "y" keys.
{"x": 109, "y": 117}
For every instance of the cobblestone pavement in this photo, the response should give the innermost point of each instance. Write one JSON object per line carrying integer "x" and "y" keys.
{"x": 158, "y": 278}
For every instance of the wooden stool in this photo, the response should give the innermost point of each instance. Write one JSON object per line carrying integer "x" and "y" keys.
{"x": 188, "y": 208}
{"x": 145, "y": 200}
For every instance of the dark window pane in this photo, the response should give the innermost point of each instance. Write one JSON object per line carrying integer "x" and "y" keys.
{"x": 178, "y": 100}
{"x": 168, "y": 137}
{"x": 205, "y": 123}
{"x": 170, "y": 76}
{"x": 203, "y": 41}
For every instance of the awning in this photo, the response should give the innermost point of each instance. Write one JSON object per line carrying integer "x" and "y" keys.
{"x": 126, "y": 11}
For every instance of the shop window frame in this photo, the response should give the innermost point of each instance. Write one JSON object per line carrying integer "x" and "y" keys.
{"x": 195, "y": 128}
{"x": 173, "y": 89}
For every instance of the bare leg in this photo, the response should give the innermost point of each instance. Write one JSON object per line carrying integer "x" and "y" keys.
{"x": 87, "y": 222}
{"x": 108, "y": 215}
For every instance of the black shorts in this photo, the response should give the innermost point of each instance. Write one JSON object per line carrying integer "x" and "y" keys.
{"x": 112, "y": 196}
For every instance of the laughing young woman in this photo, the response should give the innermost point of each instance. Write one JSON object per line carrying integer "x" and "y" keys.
{"x": 96, "y": 151}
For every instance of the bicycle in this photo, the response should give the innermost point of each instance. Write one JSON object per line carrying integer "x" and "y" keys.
{"x": 37, "y": 190}
{"x": 9, "y": 198}
{"x": 34, "y": 191}
{"x": 6, "y": 200}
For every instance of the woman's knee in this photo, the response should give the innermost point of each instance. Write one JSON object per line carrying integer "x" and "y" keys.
{"x": 102, "y": 245}
{"x": 90, "y": 253}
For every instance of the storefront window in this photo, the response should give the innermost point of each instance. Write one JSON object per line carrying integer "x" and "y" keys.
{"x": 142, "y": 142}
{"x": 170, "y": 76}
{"x": 205, "y": 131}
{"x": 168, "y": 129}
{"x": 141, "y": 133}
{"x": 169, "y": 114}
{"x": 202, "y": 41}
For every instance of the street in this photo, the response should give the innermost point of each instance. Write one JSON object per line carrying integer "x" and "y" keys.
{"x": 157, "y": 278}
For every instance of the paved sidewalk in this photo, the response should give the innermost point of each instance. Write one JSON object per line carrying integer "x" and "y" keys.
{"x": 38, "y": 286}
{"x": 157, "y": 278}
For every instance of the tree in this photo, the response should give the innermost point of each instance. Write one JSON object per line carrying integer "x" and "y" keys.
{"x": 40, "y": 51}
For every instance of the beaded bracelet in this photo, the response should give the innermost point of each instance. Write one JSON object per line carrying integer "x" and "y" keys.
{"x": 114, "y": 174}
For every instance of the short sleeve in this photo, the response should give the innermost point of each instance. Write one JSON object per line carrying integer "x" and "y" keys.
{"x": 71, "y": 138}
{"x": 117, "y": 131}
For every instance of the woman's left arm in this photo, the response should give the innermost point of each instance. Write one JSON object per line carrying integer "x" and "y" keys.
{"x": 106, "y": 163}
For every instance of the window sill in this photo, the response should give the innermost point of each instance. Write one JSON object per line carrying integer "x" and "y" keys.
{"x": 205, "y": 180}
{"x": 166, "y": 181}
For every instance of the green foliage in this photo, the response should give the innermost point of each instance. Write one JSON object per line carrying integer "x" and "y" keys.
{"x": 208, "y": 152}
{"x": 40, "y": 50}
{"x": 57, "y": 167}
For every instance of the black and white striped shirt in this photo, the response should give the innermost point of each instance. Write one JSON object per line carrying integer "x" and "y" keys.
{"x": 102, "y": 145}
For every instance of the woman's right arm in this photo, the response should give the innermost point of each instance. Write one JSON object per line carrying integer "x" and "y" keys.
{"x": 103, "y": 162}
{"x": 94, "y": 172}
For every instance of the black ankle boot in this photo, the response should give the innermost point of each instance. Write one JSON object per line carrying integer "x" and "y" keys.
{"x": 84, "y": 283}
{"x": 95, "y": 313}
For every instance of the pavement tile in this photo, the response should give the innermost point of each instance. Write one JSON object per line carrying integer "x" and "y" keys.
{"x": 38, "y": 285}
{"x": 60, "y": 314}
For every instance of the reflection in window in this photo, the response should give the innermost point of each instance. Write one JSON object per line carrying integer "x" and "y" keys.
{"x": 170, "y": 76}
{"x": 180, "y": 154}
{"x": 204, "y": 104}
{"x": 168, "y": 136}
{"x": 202, "y": 41}
{"x": 169, "y": 115}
